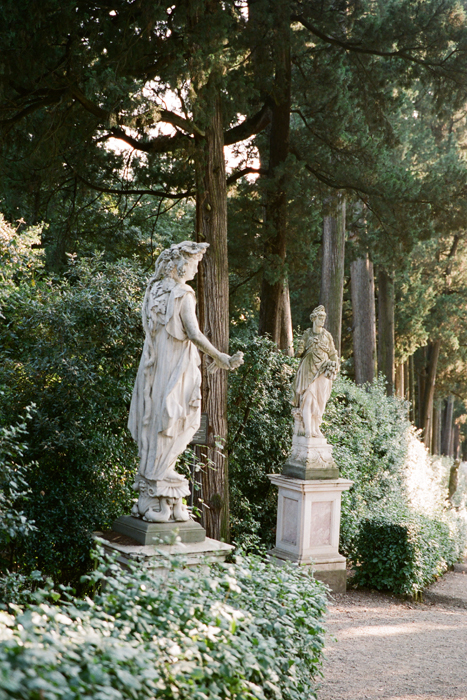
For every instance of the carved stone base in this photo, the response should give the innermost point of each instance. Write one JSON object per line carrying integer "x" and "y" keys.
{"x": 161, "y": 501}
{"x": 308, "y": 524}
{"x": 154, "y": 533}
{"x": 310, "y": 458}
{"x": 192, "y": 554}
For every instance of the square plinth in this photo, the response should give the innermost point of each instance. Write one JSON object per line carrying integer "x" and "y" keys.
{"x": 152, "y": 533}
{"x": 308, "y": 517}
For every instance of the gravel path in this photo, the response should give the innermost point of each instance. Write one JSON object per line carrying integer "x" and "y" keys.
{"x": 380, "y": 647}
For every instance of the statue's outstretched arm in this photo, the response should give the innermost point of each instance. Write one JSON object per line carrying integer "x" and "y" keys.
{"x": 190, "y": 323}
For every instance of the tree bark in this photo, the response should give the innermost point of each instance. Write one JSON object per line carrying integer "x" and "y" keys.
{"x": 412, "y": 399}
{"x": 332, "y": 265}
{"x": 272, "y": 288}
{"x": 446, "y": 430}
{"x": 386, "y": 330}
{"x": 427, "y": 406}
{"x": 364, "y": 326}
{"x": 213, "y": 313}
{"x": 436, "y": 433}
{"x": 286, "y": 338}
{"x": 456, "y": 441}
{"x": 399, "y": 383}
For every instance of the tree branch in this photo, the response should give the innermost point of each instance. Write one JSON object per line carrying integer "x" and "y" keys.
{"x": 246, "y": 171}
{"x": 154, "y": 193}
{"x": 148, "y": 118}
{"x": 249, "y": 127}
{"x": 159, "y": 144}
{"x": 348, "y": 46}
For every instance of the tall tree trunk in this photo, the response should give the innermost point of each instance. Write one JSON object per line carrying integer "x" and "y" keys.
{"x": 436, "y": 433}
{"x": 412, "y": 399}
{"x": 456, "y": 441}
{"x": 386, "y": 328}
{"x": 332, "y": 265}
{"x": 446, "y": 429}
{"x": 213, "y": 311}
{"x": 286, "y": 338}
{"x": 364, "y": 325}
{"x": 420, "y": 362}
{"x": 399, "y": 383}
{"x": 272, "y": 289}
{"x": 427, "y": 406}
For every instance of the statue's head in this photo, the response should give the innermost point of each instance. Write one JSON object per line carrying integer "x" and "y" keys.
{"x": 318, "y": 313}
{"x": 180, "y": 260}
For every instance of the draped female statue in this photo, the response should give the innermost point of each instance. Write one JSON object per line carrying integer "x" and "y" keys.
{"x": 313, "y": 382}
{"x": 165, "y": 408}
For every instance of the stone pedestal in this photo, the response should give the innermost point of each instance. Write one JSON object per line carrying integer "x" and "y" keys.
{"x": 159, "y": 533}
{"x": 136, "y": 540}
{"x": 308, "y": 524}
{"x": 311, "y": 458}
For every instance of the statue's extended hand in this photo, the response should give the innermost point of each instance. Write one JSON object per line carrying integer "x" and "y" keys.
{"x": 236, "y": 360}
{"x": 224, "y": 361}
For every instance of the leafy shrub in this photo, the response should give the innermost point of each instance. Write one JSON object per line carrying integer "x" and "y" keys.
{"x": 70, "y": 346}
{"x": 247, "y": 630}
{"x": 404, "y": 552}
{"x": 260, "y": 434}
{"x": 15, "y": 526}
{"x": 369, "y": 433}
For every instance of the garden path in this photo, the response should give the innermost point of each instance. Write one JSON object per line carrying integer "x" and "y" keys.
{"x": 382, "y": 648}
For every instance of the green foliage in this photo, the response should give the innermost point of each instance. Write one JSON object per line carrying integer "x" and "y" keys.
{"x": 404, "y": 551}
{"x": 247, "y": 630}
{"x": 369, "y": 434}
{"x": 70, "y": 347}
{"x": 14, "y": 490}
{"x": 260, "y": 426}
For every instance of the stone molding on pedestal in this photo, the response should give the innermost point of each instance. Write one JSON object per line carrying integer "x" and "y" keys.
{"x": 310, "y": 458}
{"x": 152, "y": 543}
{"x": 154, "y": 556}
{"x": 308, "y": 524}
{"x": 147, "y": 533}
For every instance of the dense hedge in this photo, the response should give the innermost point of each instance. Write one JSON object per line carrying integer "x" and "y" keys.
{"x": 404, "y": 552}
{"x": 260, "y": 434}
{"x": 247, "y": 630}
{"x": 70, "y": 347}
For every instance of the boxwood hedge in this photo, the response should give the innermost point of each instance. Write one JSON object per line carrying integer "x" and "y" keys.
{"x": 403, "y": 552}
{"x": 246, "y": 630}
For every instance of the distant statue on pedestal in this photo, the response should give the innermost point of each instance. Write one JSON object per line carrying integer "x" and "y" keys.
{"x": 309, "y": 498}
{"x": 165, "y": 410}
{"x": 311, "y": 456}
{"x": 313, "y": 382}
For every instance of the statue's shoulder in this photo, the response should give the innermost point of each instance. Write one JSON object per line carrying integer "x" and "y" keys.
{"x": 181, "y": 289}
{"x": 328, "y": 337}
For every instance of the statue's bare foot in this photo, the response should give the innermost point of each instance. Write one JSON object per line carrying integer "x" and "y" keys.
{"x": 135, "y": 511}
{"x": 163, "y": 516}
{"x": 180, "y": 511}
{"x": 172, "y": 475}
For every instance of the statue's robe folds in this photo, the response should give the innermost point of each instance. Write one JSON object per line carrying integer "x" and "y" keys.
{"x": 310, "y": 380}
{"x": 165, "y": 410}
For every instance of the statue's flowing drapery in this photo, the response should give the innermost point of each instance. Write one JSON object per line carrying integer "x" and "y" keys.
{"x": 166, "y": 403}
{"x": 310, "y": 381}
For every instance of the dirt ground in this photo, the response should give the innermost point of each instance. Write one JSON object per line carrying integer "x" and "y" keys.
{"x": 379, "y": 647}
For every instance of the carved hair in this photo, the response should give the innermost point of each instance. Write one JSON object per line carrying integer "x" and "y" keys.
{"x": 176, "y": 257}
{"x": 319, "y": 311}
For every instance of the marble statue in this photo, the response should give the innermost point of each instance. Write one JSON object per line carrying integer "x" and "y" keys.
{"x": 311, "y": 455}
{"x": 165, "y": 410}
{"x": 313, "y": 382}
